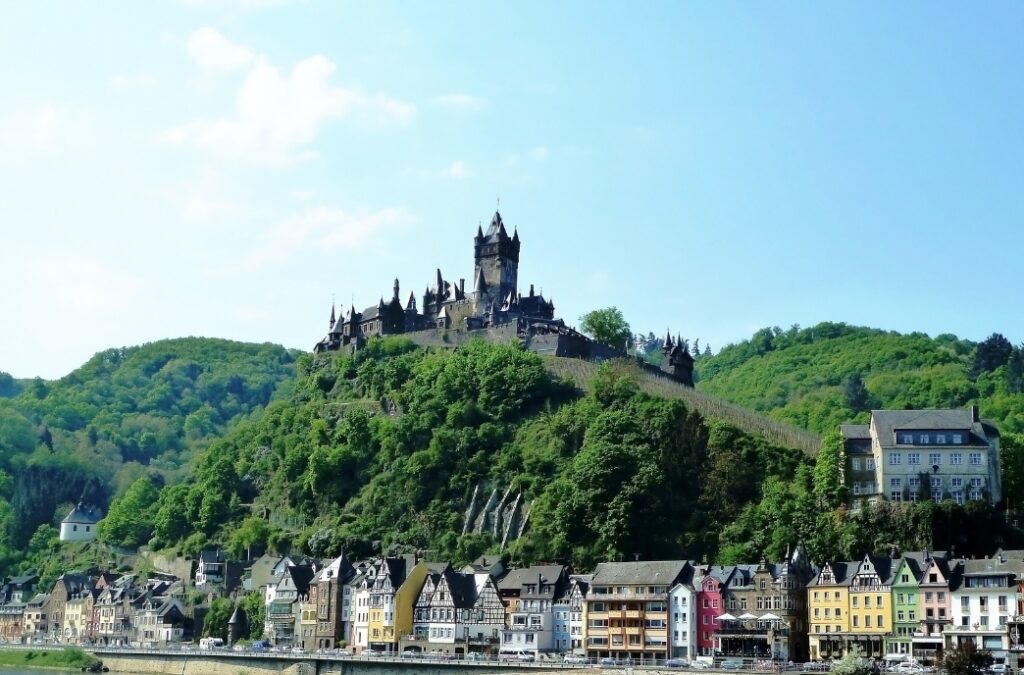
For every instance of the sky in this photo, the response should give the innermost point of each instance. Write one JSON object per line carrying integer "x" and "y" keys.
{"x": 226, "y": 168}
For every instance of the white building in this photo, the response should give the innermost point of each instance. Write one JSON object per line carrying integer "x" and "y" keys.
{"x": 910, "y": 455}
{"x": 983, "y": 604}
{"x": 360, "y": 587}
{"x": 529, "y": 596}
{"x": 682, "y": 619}
{"x": 80, "y": 524}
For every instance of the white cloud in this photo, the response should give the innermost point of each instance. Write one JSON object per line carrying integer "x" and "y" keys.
{"x": 41, "y": 128}
{"x": 324, "y": 228}
{"x": 277, "y": 115}
{"x": 213, "y": 51}
{"x": 465, "y": 102}
{"x": 79, "y": 286}
{"x": 539, "y": 153}
{"x": 457, "y": 170}
{"x": 132, "y": 81}
{"x": 301, "y": 194}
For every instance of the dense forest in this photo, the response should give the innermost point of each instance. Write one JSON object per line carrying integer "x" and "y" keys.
{"x": 126, "y": 413}
{"x": 384, "y": 449}
{"x": 833, "y": 373}
{"x": 195, "y": 443}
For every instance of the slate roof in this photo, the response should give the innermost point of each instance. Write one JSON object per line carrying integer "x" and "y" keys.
{"x": 83, "y": 515}
{"x": 301, "y": 576}
{"x": 992, "y": 566}
{"x": 211, "y": 557}
{"x": 538, "y": 575}
{"x": 462, "y": 587}
{"x": 843, "y": 570}
{"x": 888, "y": 422}
{"x": 654, "y": 572}
{"x": 855, "y": 431}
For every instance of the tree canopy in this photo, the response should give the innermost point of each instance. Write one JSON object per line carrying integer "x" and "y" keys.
{"x": 607, "y": 326}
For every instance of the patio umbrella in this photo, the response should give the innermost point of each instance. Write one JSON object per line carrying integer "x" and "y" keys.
{"x": 726, "y": 617}
{"x": 770, "y": 617}
{"x": 747, "y": 615}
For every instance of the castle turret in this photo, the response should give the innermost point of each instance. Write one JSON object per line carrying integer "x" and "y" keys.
{"x": 236, "y": 625}
{"x": 496, "y": 257}
{"x": 676, "y": 359}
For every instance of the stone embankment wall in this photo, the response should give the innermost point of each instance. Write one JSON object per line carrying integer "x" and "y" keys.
{"x": 199, "y": 664}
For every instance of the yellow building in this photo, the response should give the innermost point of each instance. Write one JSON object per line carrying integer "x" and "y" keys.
{"x": 396, "y": 587}
{"x": 870, "y": 605}
{"x": 828, "y": 609}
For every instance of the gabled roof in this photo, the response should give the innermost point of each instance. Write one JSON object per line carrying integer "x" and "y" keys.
{"x": 888, "y": 422}
{"x": 462, "y": 588}
{"x": 83, "y": 515}
{"x": 211, "y": 557}
{"x": 842, "y": 569}
{"x": 536, "y": 575}
{"x": 654, "y": 572}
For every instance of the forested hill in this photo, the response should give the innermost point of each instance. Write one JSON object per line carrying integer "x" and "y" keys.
{"x": 832, "y": 373}
{"x": 125, "y": 412}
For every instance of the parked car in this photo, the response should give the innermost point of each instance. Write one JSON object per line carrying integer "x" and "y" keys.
{"x": 607, "y": 662}
{"x": 677, "y": 663}
{"x": 574, "y": 658}
{"x": 476, "y": 656}
{"x": 999, "y": 669}
{"x": 732, "y": 664}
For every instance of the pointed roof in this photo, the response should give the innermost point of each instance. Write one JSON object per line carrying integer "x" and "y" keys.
{"x": 479, "y": 285}
{"x": 83, "y": 515}
{"x": 411, "y": 304}
{"x": 333, "y": 319}
{"x": 668, "y": 341}
{"x": 237, "y": 617}
{"x": 479, "y": 231}
{"x": 497, "y": 226}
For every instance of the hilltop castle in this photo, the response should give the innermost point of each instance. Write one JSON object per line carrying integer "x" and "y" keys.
{"x": 492, "y": 308}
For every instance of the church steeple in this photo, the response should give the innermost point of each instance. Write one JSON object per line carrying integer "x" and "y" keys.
{"x": 333, "y": 319}
{"x": 396, "y": 288}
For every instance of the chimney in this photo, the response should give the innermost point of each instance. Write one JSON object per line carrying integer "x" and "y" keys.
{"x": 974, "y": 414}
{"x": 462, "y": 286}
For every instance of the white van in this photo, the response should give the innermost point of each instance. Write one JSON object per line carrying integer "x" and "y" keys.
{"x": 211, "y": 643}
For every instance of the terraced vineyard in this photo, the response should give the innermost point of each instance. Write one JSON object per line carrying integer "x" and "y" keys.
{"x": 580, "y": 372}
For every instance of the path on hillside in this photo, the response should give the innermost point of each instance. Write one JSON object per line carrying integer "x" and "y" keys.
{"x": 580, "y": 373}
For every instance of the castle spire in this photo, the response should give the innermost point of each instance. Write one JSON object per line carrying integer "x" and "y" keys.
{"x": 412, "y": 301}
{"x": 440, "y": 282}
{"x": 333, "y": 319}
{"x": 668, "y": 341}
{"x": 396, "y": 288}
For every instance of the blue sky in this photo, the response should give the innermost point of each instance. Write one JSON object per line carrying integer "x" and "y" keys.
{"x": 221, "y": 168}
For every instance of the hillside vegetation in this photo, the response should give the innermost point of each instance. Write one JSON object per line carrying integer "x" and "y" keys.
{"x": 608, "y": 474}
{"x": 820, "y": 377}
{"x": 126, "y": 413}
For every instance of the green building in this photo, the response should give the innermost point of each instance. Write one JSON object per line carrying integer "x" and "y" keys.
{"x": 906, "y": 614}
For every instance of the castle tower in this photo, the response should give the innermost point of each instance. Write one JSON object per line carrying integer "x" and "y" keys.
{"x": 496, "y": 257}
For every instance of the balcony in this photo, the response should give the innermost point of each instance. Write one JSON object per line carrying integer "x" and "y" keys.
{"x": 625, "y": 614}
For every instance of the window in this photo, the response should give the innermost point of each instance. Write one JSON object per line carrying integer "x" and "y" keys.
{"x": 956, "y": 459}
{"x": 899, "y": 615}
{"x": 867, "y": 601}
{"x": 896, "y": 496}
{"x": 856, "y": 621}
{"x": 895, "y": 458}
{"x": 867, "y": 622}
{"x": 924, "y": 439}
{"x": 976, "y": 459}
{"x": 895, "y": 483}
{"x": 914, "y": 458}
{"x": 958, "y": 439}
{"x": 976, "y": 495}
{"x": 906, "y": 438}
{"x": 940, "y": 439}
{"x": 855, "y": 463}
{"x": 956, "y": 483}
{"x": 869, "y": 463}
{"x": 975, "y": 482}
{"x": 879, "y": 621}
{"x": 935, "y": 482}
{"x": 935, "y": 459}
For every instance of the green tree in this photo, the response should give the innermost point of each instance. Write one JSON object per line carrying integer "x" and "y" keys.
{"x": 130, "y": 521}
{"x": 215, "y": 623}
{"x": 852, "y": 663}
{"x": 856, "y": 394}
{"x": 966, "y": 659}
{"x": 991, "y": 353}
{"x": 607, "y": 326}
{"x": 829, "y": 487}
{"x": 255, "y": 610}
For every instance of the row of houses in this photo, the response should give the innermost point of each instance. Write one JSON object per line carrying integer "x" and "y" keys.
{"x": 107, "y": 609}
{"x": 914, "y": 605}
{"x": 910, "y": 606}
